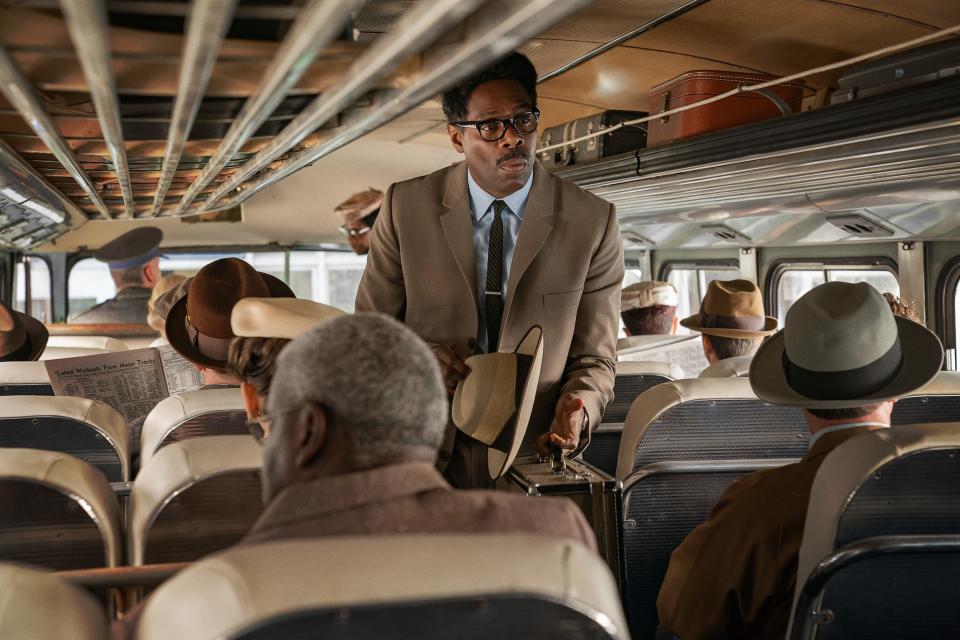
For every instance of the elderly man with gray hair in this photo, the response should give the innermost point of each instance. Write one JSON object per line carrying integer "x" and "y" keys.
{"x": 358, "y": 410}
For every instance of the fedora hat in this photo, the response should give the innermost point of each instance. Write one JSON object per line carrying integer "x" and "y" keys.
{"x": 22, "y": 337}
{"x": 732, "y": 309}
{"x": 279, "y": 317}
{"x": 493, "y": 402}
{"x": 198, "y": 323}
{"x": 842, "y": 347}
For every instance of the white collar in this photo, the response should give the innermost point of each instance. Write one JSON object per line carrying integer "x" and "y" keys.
{"x": 844, "y": 427}
{"x": 481, "y": 200}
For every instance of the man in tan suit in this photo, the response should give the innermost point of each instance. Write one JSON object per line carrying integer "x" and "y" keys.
{"x": 472, "y": 256}
{"x": 844, "y": 358}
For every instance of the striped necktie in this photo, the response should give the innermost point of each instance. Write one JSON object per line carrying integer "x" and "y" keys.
{"x": 493, "y": 298}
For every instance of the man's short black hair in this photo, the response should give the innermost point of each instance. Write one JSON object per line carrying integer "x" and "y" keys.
{"x": 655, "y": 320}
{"x": 734, "y": 347}
{"x": 515, "y": 66}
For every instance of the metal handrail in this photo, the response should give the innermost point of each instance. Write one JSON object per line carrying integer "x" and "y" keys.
{"x": 701, "y": 466}
{"x": 22, "y": 96}
{"x": 89, "y": 29}
{"x": 503, "y": 26}
{"x": 318, "y": 23}
{"x": 804, "y": 626}
{"x": 207, "y": 27}
{"x": 416, "y": 30}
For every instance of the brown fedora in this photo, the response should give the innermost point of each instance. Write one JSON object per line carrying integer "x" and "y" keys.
{"x": 22, "y": 337}
{"x": 198, "y": 324}
{"x": 732, "y": 309}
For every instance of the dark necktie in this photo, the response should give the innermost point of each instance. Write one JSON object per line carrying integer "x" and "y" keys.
{"x": 493, "y": 299}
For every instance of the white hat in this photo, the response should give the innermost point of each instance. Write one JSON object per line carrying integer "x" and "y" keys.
{"x": 651, "y": 293}
{"x": 278, "y": 317}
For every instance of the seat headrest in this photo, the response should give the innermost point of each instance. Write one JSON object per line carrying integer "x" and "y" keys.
{"x": 37, "y": 604}
{"x": 180, "y": 407}
{"x": 233, "y": 590}
{"x": 945, "y": 383}
{"x": 649, "y": 368}
{"x": 23, "y": 373}
{"x": 103, "y": 343}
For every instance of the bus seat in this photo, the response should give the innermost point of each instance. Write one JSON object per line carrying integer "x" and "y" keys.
{"x": 87, "y": 429}
{"x": 206, "y": 412}
{"x": 36, "y": 605}
{"x": 415, "y": 586}
{"x": 707, "y": 419}
{"x": 57, "y": 511}
{"x": 194, "y": 497}
{"x": 662, "y": 503}
{"x": 24, "y": 379}
{"x": 633, "y": 378}
{"x": 885, "y": 509}
{"x": 937, "y": 401}
{"x": 101, "y": 343}
{"x": 56, "y": 353}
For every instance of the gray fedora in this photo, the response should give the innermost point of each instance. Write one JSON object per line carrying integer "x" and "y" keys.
{"x": 841, "y": 347}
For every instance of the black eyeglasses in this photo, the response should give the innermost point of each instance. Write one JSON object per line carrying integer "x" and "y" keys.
{"x": 494, "y": 129}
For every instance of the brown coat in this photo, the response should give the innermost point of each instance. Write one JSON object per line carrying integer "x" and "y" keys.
{"x": 410, "y": 498}
{"x": 565, "y": 276}
{"x": 734, "y": 575}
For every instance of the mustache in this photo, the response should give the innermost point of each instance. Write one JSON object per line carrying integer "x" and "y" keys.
{"x": 514, "y": 156}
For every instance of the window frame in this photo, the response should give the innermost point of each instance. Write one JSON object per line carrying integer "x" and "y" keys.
{"x": 50, "y": 277}
{"x": 780, "y": 267}
{"x": 699, "y": 265}
{"x": 945, "y": 303}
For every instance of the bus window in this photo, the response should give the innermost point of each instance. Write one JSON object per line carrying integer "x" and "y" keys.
{"x": 41, "y": 307}
{"x": 795, "y": 282}
{"x": 88, "y": 284}
{"x": 691, "y": 284}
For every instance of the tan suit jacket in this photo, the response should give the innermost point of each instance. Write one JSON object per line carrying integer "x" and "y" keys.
{"x": 566, "y": 275}
{"x": 734, "y": 575}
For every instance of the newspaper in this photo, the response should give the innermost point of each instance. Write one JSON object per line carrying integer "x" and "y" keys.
{"x": 685, "y": 352}
{"x": 132, "y": 382}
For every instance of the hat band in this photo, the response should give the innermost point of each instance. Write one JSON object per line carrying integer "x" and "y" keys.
{"x": 845, "y": 385}
{"x": 136, "y": 261}
{"x": 208, "y": 346}
{"x": 741, "y": 323}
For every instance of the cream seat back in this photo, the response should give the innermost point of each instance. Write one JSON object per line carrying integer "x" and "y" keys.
{"x": 35, "y": 605}
{"x": 206, "y": 412}
{"x": 194, "y": 497}
{"x": 937, "y": 401}
{"x": 416, "y": 586}
{"x": 56, "y": 353}
{"x": 633, "y": 378}
{"x": 707, "y": 419}
{"x": 57, "y": 511}
{"x": 881, "y": 541}
{"x": 87, "y": 429}
{"x": 24, "y": 378}
{"x": 102, "y": 343}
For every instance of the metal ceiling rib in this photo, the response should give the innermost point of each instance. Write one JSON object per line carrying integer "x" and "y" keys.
{"x": 319, "y": 22}
{"x": 500, "y": 27}
{"x": 89, "y": 30}
{"x": 207, "y": 26}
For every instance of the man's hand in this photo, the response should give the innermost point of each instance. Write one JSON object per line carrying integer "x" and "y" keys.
{"x": 565, "y": 430}
{"x": 452, "y": 365}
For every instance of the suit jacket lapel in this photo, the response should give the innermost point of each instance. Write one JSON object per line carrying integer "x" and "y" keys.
{"x": 538, "y": 221}
{"x": 458, "y": 225}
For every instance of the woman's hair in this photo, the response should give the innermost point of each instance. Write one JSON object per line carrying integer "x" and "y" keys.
{"x": 154, "y": 318}
{"x": 254, "y": 360}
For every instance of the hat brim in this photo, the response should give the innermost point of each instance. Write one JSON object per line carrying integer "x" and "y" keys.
{"x": 498, "y": 462}
{"x": 37, "y": 335}
{"x": 693, "y": 323}
{"x": 175, "y": 327}
{"x": 922, "y": 361}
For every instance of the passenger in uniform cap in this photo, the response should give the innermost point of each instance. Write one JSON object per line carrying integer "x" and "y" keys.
{"x": 198, "y": 323}
{"x": 359, "y": 212}
{"x": 844, "y": 359}
{"x": 134, "y": 261}
{"x": 22, "y": 337}
{"x": 649, "y": 312}
{"x": 733, "y": 324}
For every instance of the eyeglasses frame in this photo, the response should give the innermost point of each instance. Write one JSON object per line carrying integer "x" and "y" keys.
{"x": 508, "y": 123}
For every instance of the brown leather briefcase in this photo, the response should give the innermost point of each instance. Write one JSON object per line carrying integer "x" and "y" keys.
{"x": 734, "y": 111}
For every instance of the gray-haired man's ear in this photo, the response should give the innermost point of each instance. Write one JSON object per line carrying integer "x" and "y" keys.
{"x": 313, "y": 429}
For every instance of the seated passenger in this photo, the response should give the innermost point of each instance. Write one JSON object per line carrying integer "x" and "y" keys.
{"x": 198, "y": 323}
{"x": 263, "y": 327}
{"x": 902, "y": 308}
{"x": 22, "y": 337}
{"x": 359, "y": 212}
{"x": 156, "y": 318}
{"x": 843, "y": 358}
{"x": 134, "y": 262}
{"x": 358, "y": 411}
{"x": 649, "y": 313}
{"x": 732, "y": 325}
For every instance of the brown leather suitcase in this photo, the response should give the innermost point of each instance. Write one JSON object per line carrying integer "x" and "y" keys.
{"x": 734, "y": 111}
